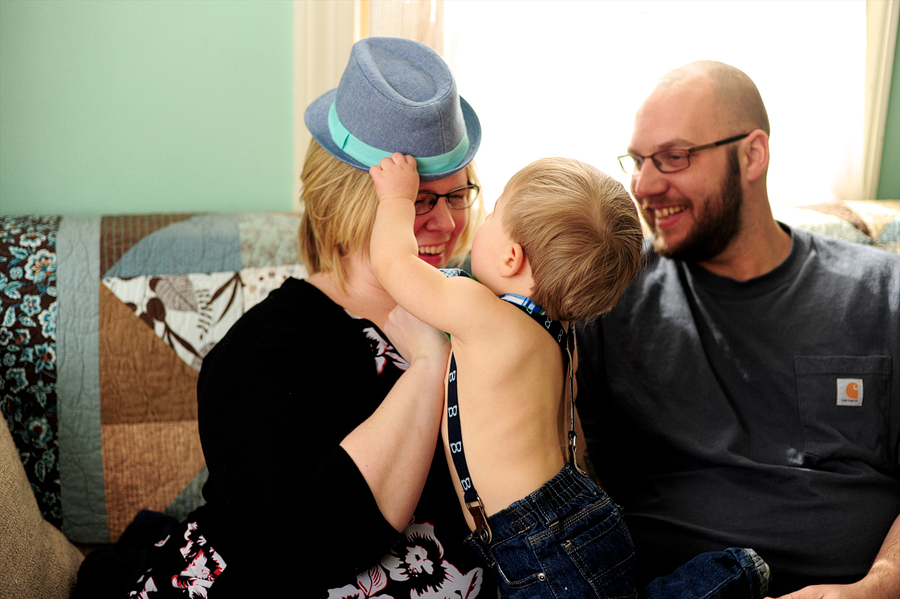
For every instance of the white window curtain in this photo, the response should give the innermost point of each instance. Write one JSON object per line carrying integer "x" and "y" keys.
{"x": 323, "y": 35}
{"x": 420, "y": 20}
{"x": 882, "y": 19}
{"x": 565, "y": 77}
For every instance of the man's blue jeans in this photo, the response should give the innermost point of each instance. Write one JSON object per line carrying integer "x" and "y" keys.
{"x": 568, "y": 539}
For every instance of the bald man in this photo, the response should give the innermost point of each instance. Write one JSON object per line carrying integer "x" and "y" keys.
{"x": 745, "y": 391}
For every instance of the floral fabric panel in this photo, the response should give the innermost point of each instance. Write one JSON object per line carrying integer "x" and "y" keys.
{"x": 28, "y": 317}
{"x": 191, "y": 313}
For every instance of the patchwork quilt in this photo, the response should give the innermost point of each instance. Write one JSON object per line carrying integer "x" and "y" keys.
{"x": 104, "y": 323}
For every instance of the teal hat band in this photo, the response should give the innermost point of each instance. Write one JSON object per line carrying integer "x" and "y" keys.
{"x": 370, "y": 156}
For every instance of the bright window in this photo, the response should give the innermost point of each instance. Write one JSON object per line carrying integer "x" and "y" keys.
{"x": 565, "y": 78}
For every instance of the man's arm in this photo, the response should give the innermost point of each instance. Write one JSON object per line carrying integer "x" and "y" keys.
{"x": 882, "y": 581}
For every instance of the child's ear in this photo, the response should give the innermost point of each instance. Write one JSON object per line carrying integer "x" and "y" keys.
{"x": 514, "y": 261}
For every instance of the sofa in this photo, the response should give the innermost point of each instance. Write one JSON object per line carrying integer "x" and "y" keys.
{"x": 104, "y": 323}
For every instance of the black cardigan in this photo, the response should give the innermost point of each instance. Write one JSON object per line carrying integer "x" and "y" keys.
{"x": 277, "y": 395}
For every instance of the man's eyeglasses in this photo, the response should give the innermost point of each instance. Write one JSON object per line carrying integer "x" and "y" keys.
{"x": 671, "y": 160}
{"x": 458, "y": 199}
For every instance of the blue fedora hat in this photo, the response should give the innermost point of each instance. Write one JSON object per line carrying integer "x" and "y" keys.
{"x": 396, "y": 95}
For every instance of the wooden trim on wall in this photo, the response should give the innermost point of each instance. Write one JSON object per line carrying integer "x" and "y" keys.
{"x": 323, "y": 35}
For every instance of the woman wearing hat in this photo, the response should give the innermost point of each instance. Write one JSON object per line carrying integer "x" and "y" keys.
{"x": 323, "y": 479}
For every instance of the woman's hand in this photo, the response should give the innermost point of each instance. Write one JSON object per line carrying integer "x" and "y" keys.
{"x": 413, "y": 338}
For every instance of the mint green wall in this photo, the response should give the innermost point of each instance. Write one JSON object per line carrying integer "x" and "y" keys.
{"x": 168, "y": 106}
{"x": 145, "y": 106}
{"x": 889, "y": 179}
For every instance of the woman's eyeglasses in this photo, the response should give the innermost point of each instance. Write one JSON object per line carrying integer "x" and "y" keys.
{"x": 458, "y": 199}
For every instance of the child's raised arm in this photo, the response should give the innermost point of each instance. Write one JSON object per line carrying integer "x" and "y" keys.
{"x": 417, "y": 286}
{"x": 393, "y": 239}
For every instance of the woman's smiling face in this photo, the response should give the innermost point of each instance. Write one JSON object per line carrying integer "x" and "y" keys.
{"x": 438, "y": 231}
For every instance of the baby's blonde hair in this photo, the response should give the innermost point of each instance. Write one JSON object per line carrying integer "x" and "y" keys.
{"x": 339, "y": 205}
{"x": 581, "y": 234}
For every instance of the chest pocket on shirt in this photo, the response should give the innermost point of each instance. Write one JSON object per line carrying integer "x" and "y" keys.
{"x": 844, "y": 407}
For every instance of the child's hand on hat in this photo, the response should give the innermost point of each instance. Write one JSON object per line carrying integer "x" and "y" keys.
{"x": 396, "y": 177}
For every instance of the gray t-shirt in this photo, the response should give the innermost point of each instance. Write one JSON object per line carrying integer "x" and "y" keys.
{"x": 761, "y": 414}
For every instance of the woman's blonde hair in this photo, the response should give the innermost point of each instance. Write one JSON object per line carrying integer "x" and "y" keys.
{"x": 339, "y": 207}
{"x": 580, "y": 232}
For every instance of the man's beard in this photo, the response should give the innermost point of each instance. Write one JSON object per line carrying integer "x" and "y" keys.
{"x": 717, "y": 225}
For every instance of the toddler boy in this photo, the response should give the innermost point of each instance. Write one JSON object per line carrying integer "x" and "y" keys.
{"x": 563, "y": 243}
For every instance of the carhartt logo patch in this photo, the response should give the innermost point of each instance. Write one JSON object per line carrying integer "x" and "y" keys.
{"x": 849, "y": 392}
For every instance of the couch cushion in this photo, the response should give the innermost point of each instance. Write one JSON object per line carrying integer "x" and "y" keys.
{"x": 46, "y": 563}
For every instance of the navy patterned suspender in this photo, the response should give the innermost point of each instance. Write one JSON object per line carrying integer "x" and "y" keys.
{"x": 454, "y": 431}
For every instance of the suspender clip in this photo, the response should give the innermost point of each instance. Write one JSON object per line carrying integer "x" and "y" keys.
{"x": 482, "y": 529}
{"x": 573, "y": 451}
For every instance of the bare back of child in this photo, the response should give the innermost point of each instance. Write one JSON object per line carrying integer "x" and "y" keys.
{"x": 510, "y": 371}
{"x": 565, "y": 241}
